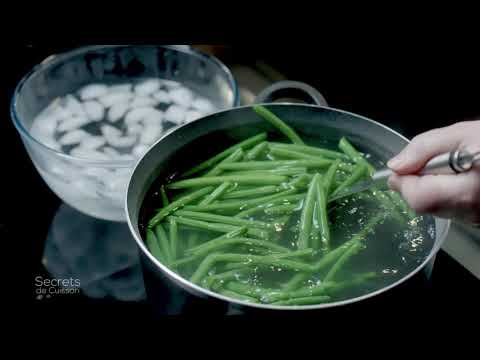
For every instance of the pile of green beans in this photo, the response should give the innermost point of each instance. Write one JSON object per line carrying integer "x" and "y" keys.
{"x": 230, "y": 218}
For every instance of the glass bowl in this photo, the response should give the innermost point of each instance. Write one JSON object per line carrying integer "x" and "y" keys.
{"x": 94, "y": 181}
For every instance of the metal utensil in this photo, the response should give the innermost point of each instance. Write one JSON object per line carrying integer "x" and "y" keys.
{"x": 454, "y": 162}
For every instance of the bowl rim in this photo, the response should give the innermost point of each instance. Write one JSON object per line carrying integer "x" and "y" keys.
{"x": 187, "y": 284}
{"x": 57, "y": 58}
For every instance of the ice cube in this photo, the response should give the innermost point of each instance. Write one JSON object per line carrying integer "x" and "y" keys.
{"x": 137, "y": 114}
{"x": 122, "y": 142}
{"x": 134, "y": 129}
{"x": 118, "y": 183}
{"x": 74, "y": 106}
{"x": 175, "y": 114}
{"x": 150, "y": 134}
{"x": 147, "y": 87}
{"x": 169, "y": 84}
{"x": 86, "y": 187}
{"x": 203, "y": 105}
{"x": 89, "y": 154}
{"x": 181, "y": 96}
{"x": 93, "y": 142}
{"x": 74, "y": 137}
{"x": 94, "y": 110}
{"x": 125, "y": 157}
{"x": 140, "y": 150}
{"x": 73, "y": 123}
{"x": 93, "y": 91}
{"x": 110, "y": 131}
{"x": 123, "y": 88}
{"x": 111, "y": 152}
{"x": 154, "y": 118}
{"x": 142, "y": 101}
{"x": 117, "y": 111}
{"x": 96, "y": 172}
{"x": 44, "y": 125}
{"x": 50, "y": 142}
{"x": 162, "y": 97}
{"x": 192, "y": 115}
{"x": 115, "y": 98}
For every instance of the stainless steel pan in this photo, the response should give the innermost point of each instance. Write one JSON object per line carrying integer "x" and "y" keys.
{"x": 195, "y": 141}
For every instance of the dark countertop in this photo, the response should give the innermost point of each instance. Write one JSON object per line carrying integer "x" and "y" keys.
{"x": 29, "y": 208}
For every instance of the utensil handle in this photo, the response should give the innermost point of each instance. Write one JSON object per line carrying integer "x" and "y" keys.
{"x": 291, "y": 89}
{"x": 454, "y": 162}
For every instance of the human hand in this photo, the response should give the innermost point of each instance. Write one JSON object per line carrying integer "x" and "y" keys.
{"x": 447, "y": 196}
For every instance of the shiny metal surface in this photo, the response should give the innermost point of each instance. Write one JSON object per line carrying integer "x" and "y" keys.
{"x": 236, "y": 124}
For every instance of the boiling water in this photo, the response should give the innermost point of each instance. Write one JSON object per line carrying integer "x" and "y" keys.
{"x": 394, "y": 249}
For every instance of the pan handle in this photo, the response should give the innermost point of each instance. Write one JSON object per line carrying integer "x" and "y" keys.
{"x": 291, "y": 89}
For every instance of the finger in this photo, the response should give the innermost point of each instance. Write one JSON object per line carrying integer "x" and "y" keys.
{"x": 441, "y": 195}
{"x": 427, "y": 145}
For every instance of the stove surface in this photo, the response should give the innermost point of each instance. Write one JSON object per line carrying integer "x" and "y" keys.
{"x": 61, "y": 243}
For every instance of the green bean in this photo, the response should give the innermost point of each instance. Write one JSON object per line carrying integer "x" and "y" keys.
{"x": 163, "y": 242}
{"x": 216, "y": 180}
{"x": 267, "y": 165}
{"x": 235, "y": 295}
{"x": 215, "y": 281}
{"x": 222, "y": 228}
{"x": 286, "y": 172}
{"x": 309, "y": 300}
{"x": 165, "y": 201}
{"x": 357, "y": 175}
{"x": 282, "y": 209}
{"x": 329, "y": 178}
{"x": 245, "y": 289}
{"x": 232, "y": 234}
{"x": 278, "y": 123}
{"x": 400, "y": 202}
{"x": 256, "y": 151}
{"x": 322, "y": 215}
{"x": 237, "y": 155}
{"x": 218, "y": 192}
{"x": 326, "y": 260}
{"x": 230, "y": 220}
{"x": 246, "y": 144}
{"x": 307, "y": 216}
{"x": 173, "y": 239}
{"x": 177, "y": 204}
{"x": 356, "y": 244}
{"x": 214, "y": 245}
{"x": 153, "y": 247}
{"x": 310, "y": 150}
{"x": 252, "y": 260}
{"x": 204, "y": 268}
{"x": 292, "y": 254}
{"x": 357, "y": 280}
{"x": 240, "y": 204}
{"x": 353, "y": 153}
{"x": 240, "y": 194}
{"x": 280, "y": 200}
{"x": 291, "y": 154}
{"x": 354, "y": 249}
{"x": 301, "y": 181}
{"x": 280, "y": 295}
{"x": 184, "y": 261}
{"x": 192, "y": 240}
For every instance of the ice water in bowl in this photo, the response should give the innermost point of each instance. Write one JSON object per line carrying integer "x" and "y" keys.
{"x": 110, "y": 126}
